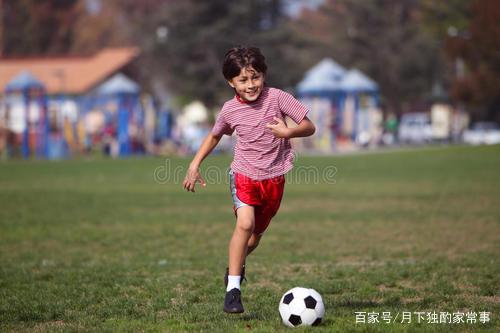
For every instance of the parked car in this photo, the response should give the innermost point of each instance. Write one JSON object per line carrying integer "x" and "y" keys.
{"x": 415, "y": 128}
{"x": 482, "y": 133}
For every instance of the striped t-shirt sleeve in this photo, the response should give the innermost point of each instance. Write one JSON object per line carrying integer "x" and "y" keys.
{"x": 291, "y": 107}
{"x": 221, "y": 127}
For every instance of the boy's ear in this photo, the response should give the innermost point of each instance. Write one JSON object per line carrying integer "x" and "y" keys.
{"x": 230, "y": 83}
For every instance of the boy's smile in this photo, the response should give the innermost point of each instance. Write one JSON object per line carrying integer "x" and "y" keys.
{"x": 249, "y": 84}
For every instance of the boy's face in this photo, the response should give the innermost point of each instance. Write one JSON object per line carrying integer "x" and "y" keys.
{"x": 248, "y": 84}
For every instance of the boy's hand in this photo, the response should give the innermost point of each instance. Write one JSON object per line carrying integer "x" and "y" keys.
{"x": 279, "y": 128}
{"x": 193, "y": 176}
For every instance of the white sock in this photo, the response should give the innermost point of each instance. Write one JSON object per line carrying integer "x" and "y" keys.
{"x": 233, "y": 281}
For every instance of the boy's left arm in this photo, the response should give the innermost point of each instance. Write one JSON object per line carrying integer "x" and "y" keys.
{"x": 303, "y": 129}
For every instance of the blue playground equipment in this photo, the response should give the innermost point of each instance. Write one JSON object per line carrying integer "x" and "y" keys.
{"x": 35, "y": 133}
{"x": 123, "y": 93}
{"x": 339, "y": 98}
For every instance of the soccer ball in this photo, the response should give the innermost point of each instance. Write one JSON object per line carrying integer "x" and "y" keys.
{"x": 301, "y": 307}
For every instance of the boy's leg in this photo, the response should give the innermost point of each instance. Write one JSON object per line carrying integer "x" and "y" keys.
{"x": 272, "y": 192}
{"x": 253, "y": 242}
{"x": 263, "y": 215}
{"x": 238, "y": 245}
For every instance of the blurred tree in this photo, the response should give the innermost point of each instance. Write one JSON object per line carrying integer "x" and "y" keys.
{"x": 101, "y": 24}
{"x": 444, "y": 18}
{"x": 398, "y": 43}
{"x": 439, "y": 21}
{"x": 200, "y": 32}
{"x": 382, "y": 38}
{"x": 32, "y": 27}
{"x": 1, "y": 28}
{"x": 475, "y": 51}
{"x": 183, "y": 42}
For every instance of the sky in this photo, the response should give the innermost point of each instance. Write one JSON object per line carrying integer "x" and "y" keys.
{"x": 294, "y": 7}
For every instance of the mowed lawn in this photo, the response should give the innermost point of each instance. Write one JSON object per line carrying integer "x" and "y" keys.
{"x": 113, "y": 245}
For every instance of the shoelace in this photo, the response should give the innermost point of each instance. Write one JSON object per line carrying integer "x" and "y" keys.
{"x": 235, "y": 297}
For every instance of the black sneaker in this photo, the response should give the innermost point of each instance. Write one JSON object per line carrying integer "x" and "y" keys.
{"x": 243, "y": 278}
{"x": 232, "y": 302}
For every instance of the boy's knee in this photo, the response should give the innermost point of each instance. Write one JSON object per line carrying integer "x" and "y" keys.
{"x": 246, "y": 225}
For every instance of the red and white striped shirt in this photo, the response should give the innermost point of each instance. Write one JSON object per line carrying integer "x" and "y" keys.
{"x": 258, "y": 154}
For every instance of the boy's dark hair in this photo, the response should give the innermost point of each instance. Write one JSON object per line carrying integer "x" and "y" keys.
{"x": 241, "y": 57}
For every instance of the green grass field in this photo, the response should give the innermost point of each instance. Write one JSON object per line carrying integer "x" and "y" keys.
{"x": 102, "y": 246}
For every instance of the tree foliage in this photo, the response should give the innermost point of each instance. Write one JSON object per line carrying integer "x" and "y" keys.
{"x": 32, "y": 27}
{"x": 382, "y": 38}
{"x": 478, "y": 46}
{"x": 407, "y": 47}
{"x": 199, "y": 34}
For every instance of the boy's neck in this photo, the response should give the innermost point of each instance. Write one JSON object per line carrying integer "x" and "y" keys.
{"x": 241, "y": 100}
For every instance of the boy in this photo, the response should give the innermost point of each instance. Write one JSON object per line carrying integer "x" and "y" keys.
{"x": 262, "y": 156}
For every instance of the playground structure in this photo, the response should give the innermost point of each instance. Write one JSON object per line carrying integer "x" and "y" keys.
{"x": 25, "y": 112}
{"x": 62, "y": 107}
{"x": 344, "y": 104}
{"x": 114, "y": 118}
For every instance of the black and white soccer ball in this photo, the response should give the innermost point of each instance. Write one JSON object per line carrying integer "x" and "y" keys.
{"x": 301, "y": 307}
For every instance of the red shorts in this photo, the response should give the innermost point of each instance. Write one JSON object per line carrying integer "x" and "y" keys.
{"x": 264, "y": 195}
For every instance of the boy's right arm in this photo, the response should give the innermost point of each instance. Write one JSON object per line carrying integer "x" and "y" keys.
{"x": 193, "y": 175}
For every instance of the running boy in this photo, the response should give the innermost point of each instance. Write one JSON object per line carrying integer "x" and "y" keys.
{"x": 262, "y": 156}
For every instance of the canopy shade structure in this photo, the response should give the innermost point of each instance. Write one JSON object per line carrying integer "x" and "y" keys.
{"x": 118, "y": 84}
{"x": 343, "y": 103}
{"x": 326, "y": 76}
{"x": 24, "y": 81}
{"x": 355, "y": 81}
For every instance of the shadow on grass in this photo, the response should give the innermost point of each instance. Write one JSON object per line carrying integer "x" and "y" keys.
{"x": 327, "y": 322}
{"x": 251, "y": 316}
